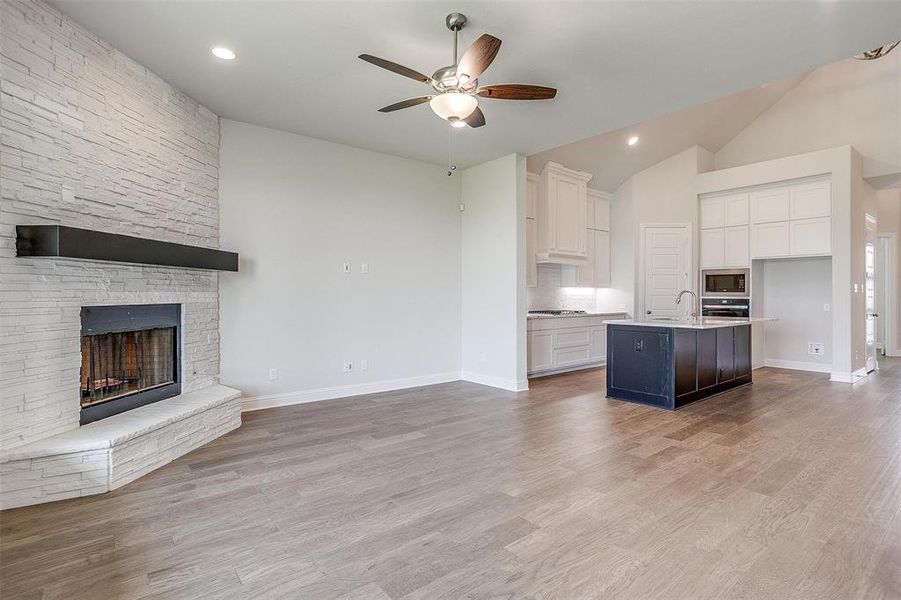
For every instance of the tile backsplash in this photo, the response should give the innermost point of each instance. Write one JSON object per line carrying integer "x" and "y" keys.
{"x": 550, "y": 294}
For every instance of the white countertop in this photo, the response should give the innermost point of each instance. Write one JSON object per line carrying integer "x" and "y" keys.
{"x": 696, "y": 323}
{"x": 587, "y": 314}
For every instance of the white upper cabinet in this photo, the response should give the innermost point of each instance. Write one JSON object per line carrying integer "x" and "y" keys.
{"x": 712, "y": 213}
{"x": 736, "y": 246}
{"x": 770, "y": 240}
{"x": 770, "y": 205}
{"x": 531, "y": 195}
{"x": 601, "y": 205}
{"x": 713, "y": 248}
{"x": 562, "y": 215}
{"x": 735, "y": 210}
{"x": 591, "y": 210}
{"x": 811, "y": 200}
{"x": 811, "y": 236}
{"x": 602, "y": 258}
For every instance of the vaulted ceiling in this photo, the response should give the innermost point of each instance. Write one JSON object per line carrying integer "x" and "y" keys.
{"x": 614, "y": 63}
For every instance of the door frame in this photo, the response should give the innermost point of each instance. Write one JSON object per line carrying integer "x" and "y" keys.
{"x": 692, "y": 259}
{"x": 889, "y": 285}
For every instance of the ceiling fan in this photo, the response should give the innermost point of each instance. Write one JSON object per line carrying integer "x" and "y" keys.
{"x": 456, "y": 87}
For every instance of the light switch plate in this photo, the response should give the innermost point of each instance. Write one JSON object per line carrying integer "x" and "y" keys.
{"x": 364, "y": 267}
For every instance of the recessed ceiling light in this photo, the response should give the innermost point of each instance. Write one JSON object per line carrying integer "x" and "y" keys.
{"x": 633, "y": 140}
{"x": 223, "y": 53}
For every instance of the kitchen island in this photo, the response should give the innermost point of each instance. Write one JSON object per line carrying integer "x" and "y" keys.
{"x": 671, "y": 362}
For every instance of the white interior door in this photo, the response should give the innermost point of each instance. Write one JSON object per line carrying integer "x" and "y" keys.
{"x": 667, "y": 263}
{"x": 870, "y": 290}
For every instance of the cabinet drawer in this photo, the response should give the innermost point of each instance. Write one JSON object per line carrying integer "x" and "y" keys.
{"x": 811, "y": 236}
{"x": 770, "y": 205}
{"x": 566, "y": 338}
{"x": 567, "y": 357}
{"x": 770, "y": 240}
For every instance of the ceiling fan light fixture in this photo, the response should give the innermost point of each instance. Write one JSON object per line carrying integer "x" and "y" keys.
{"x": 455, "y": 122}
{"x": 453, "y": 104}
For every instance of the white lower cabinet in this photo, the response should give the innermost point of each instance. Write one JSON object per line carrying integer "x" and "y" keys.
{"x": 541, "y": 350}
{"x": 770, "y": 240}
{"x": 567, "y": 343}
{"x": 811, "y": 236}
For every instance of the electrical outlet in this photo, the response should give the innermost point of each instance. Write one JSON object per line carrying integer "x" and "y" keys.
{"x": 827, "y": 307}
{"x": 364, "y": 365}
{"x": 346, "y": 267}
{"x": 815, "y": 348}
{"x": 348, "y": 366}
{"x": 482, "y": 357}
{"x": 364, "y": 268}
{"x": 273, "y": 374}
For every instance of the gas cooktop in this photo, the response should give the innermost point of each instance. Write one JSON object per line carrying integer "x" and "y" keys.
{"x": 558, "y": 312}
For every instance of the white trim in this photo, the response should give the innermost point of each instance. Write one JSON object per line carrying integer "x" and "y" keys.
{"x": 691, "y": 268}
{"x": 853, "y": 377}
{"x": 343, "y": 391}
{"x": 496, "y": 382}
{"x": 797, "y": 365}
{"x": 547, "y": 372}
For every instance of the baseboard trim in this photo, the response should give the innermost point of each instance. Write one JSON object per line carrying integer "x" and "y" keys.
{"x": 511, "y": 385}
{"x": 251, "y": 403}
{"x": 594, "y": 365}
{"x": 797, "y": 365}
{"x": 845, "y": 377}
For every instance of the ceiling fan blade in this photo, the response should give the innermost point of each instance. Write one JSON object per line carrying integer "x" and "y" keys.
{"x": 478, "y": 57}
{"x": 517, "y": 91}
{"x": 395, "y": 68}
{"x": 476, "y": 118}
{"x": 405, "y": 104}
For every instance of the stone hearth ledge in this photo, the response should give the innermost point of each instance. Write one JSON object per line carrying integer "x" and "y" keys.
{"x": 106, "y": 454}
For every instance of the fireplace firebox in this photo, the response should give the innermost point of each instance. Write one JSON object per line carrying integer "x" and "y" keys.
{"x": 130, "y": 356}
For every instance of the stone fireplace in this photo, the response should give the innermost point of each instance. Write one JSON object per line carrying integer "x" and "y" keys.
{"x": 95, "y": 140}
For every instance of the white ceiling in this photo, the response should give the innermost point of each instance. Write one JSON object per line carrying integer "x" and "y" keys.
{"x": 614, "y": 63}
{"x": 612, "y": 161}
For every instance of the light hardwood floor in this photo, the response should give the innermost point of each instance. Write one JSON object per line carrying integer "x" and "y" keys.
{"x": 790, "y": 488}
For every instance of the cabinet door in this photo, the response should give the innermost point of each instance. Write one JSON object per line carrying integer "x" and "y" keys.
{"x": 602, "y": 259}
{"x": 706, "y": 358}
{"x": 568, "y": 211}
{"x": 602, "y": 216}
{"x": 713, "y": 253}
{"x": 737, "y": 246}
{"x": 591, "y": 210}
{"x": 811, "y": 236}
{"x": 770, "y": 205}
{"x": 541, "y": 350}
{"x": 685, "y": 357}
{"x": 598, "y": 346}
{"x": 712, "y": 213}
{"x": 643, "y": 360}
{"x": 811, "y": 200}
{"x": 725, "y": 354}
{"x": 531, "y": 249}
{"x": 735, "y": 210}
{"x": 531, "y": 195}
{"x": 770, "y": 240}
{"x": 742, "y": 344}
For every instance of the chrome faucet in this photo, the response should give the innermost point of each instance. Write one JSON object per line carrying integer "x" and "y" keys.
{"x": 694, "y": 313}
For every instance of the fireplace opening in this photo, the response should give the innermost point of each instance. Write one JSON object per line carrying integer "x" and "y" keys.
{"x": 129, "y": 357}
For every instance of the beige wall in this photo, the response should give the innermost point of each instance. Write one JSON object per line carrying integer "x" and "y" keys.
{"x": 851, "y": 102}
{"x": 664, "y": 193}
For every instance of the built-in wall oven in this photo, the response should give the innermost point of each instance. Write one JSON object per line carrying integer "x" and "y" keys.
{"x": 725, "y": 307}
{"x": 725, "y": 283}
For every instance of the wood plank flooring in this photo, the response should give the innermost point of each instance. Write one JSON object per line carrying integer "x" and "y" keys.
{"x": 790, "y": 488}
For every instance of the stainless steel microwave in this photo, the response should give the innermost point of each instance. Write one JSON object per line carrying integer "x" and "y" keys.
{"x": 727, "y": 283}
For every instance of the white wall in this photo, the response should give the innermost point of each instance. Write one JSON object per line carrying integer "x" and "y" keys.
{"x": 664, "y": 193}
{"x": 796, "y": 291}
{"x": 889, "y": 222}
{"x": 850, "y": 102}
{"x": 493, "y": 273}
{"x": 296, "y": 208}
